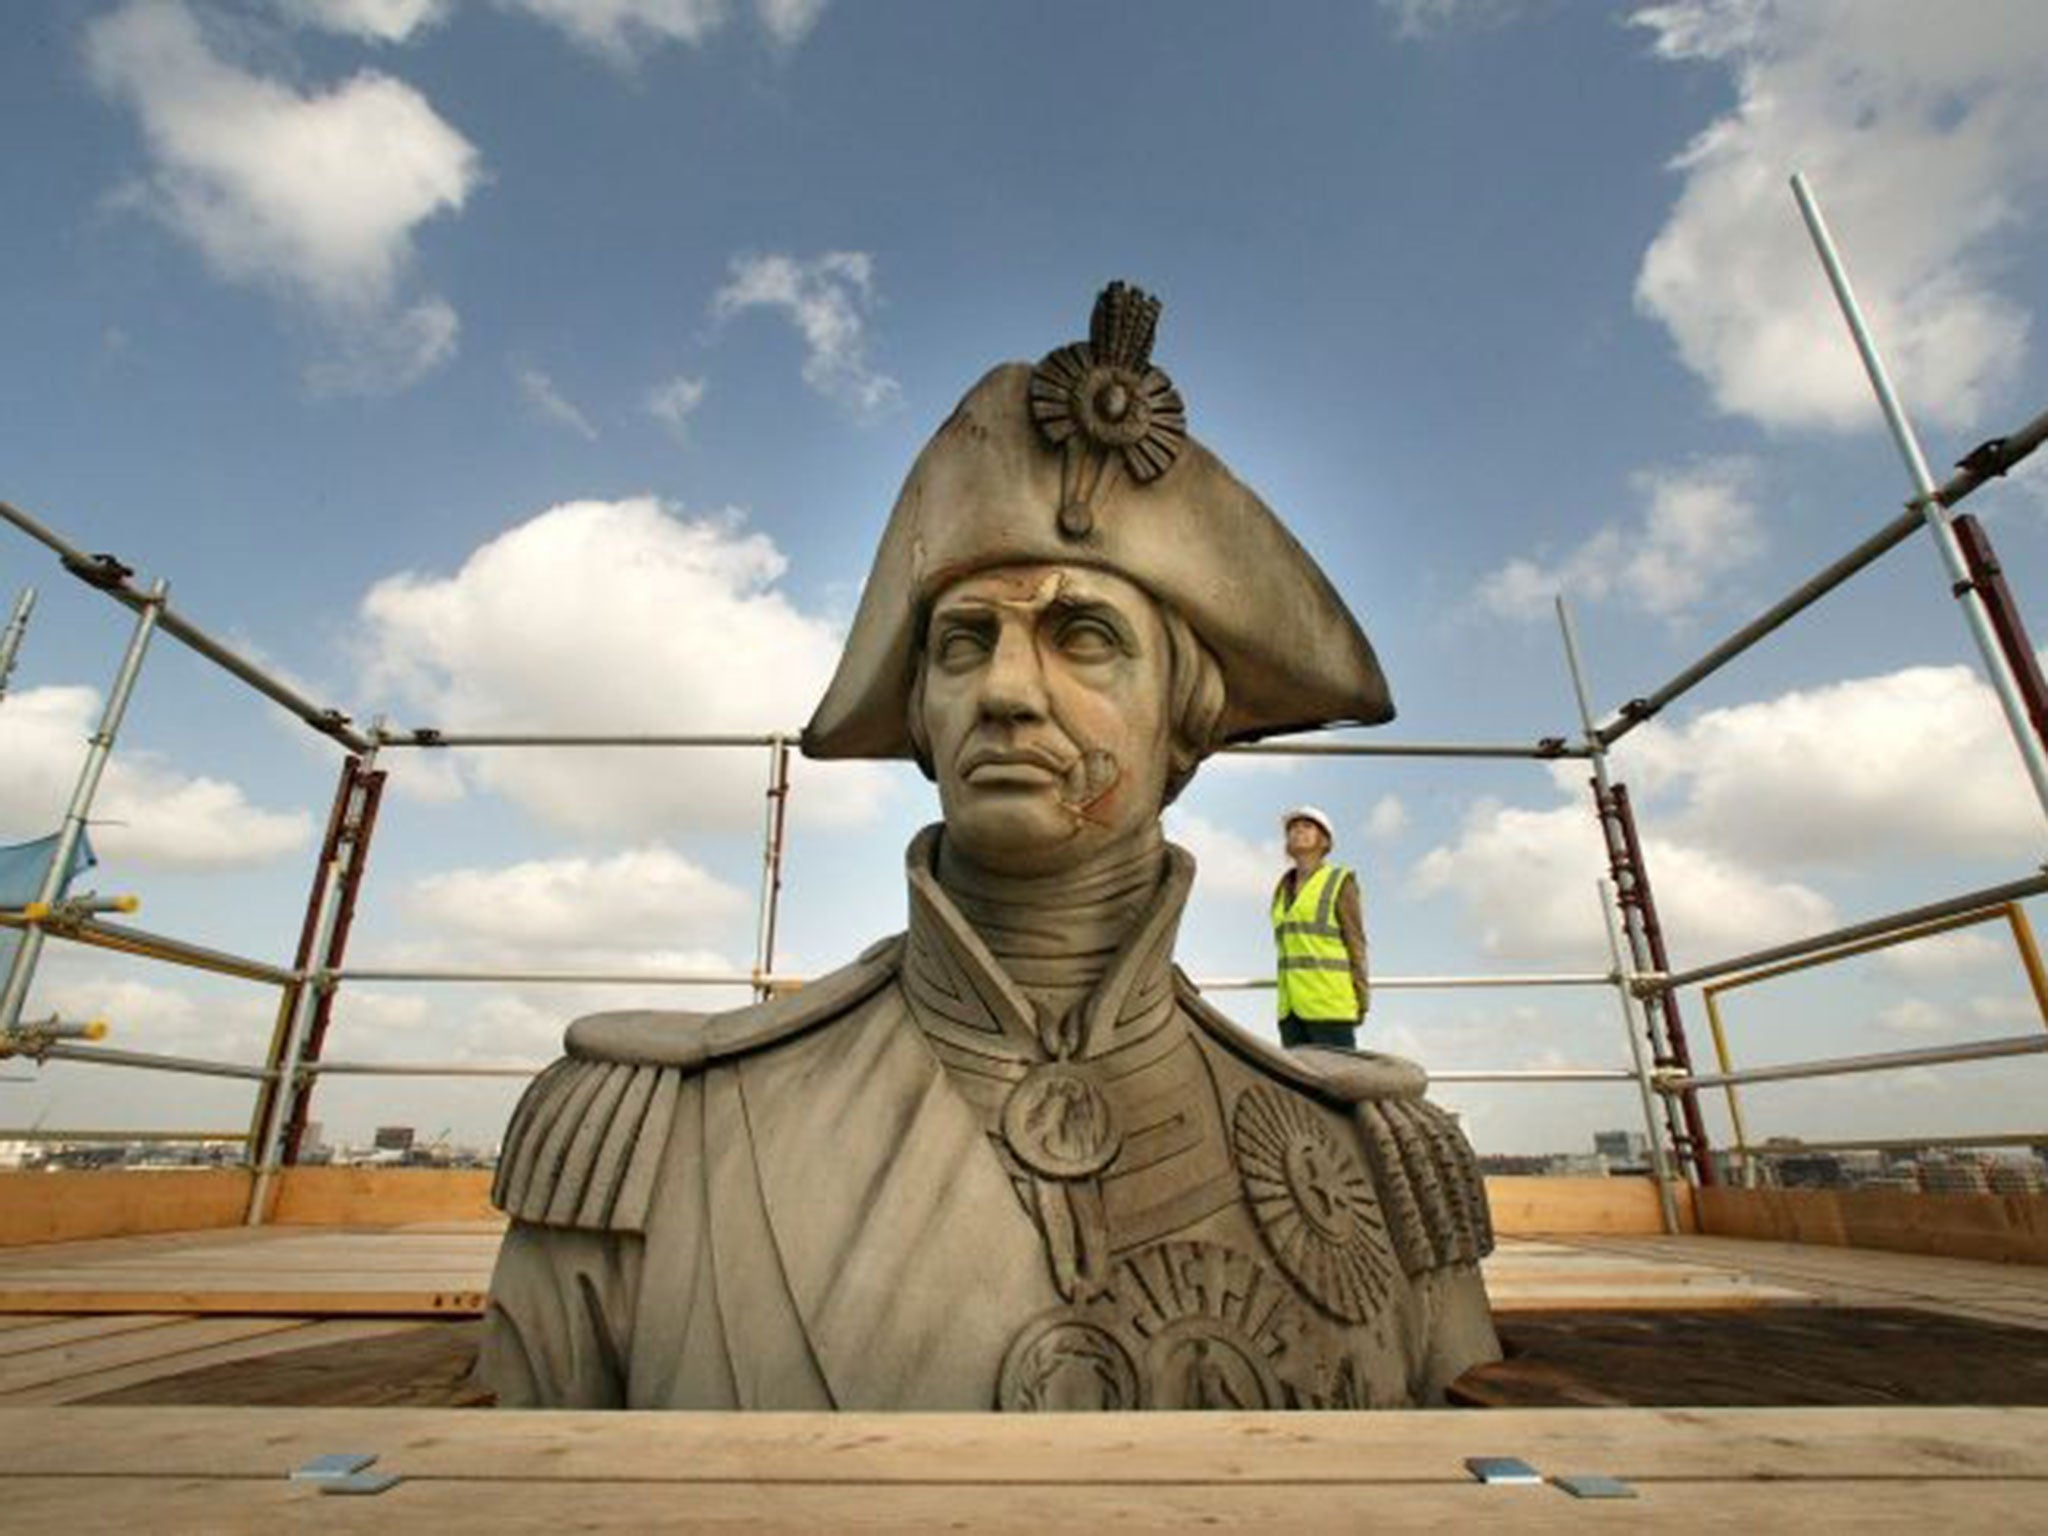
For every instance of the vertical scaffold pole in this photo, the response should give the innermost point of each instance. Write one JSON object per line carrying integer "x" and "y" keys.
{"x": 1624, "y": 973}
{"x": 771, "y": 863}
{"x": 1927, "y": 498}
{"x": 324, "y": 918}
{"x": 22, "y": 972}
{"x": 11, "y": 637}
{"x": 1687, "y": 1128}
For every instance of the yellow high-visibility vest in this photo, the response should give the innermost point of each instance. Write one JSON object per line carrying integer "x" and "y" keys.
{"x": 1315, "y": 967}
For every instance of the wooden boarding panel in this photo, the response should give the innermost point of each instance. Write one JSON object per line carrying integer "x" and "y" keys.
{"x": 2005, "y": 1228}
{"x": 426, "y": 1272}
{"x": 60, "y": 1207}
{"x": 2015, "y": 1293}
{"x": 83, "y": 1357}
{"x": 357, "y": 1197}
{"x": 494, "y": 1508}
{"x": 224, "y": 1470}
{"x": 1535, "y": 1206}
{"x": 191, "y": 1350}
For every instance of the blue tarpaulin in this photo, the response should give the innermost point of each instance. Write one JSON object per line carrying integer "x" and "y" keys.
{"x": 22, "y": 867}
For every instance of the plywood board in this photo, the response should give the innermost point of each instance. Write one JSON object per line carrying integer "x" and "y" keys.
{"x": 494, "y": 1508}
{"x": 60, "y": 1207}
{"x": 1525, "y": 1206}
{"x": 2007, "y": 1228}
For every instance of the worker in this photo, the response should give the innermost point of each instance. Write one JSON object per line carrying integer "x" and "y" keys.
{"x": 1319, "y": 932}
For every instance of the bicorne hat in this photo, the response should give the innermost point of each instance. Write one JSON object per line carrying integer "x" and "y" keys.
{"x": 1085, "y": 460}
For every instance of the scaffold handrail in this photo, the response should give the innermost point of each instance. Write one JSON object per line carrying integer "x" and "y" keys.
{"x": 1984, "y": 463}
{"x": 1844, "y": 1066}
{"x": 146, "y": 945}
{"x": 110, "y": 576}
{"x": 1990, "y": 896}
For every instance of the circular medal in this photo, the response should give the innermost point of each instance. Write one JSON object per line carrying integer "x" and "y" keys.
{"x": 1060, "y": 1364}
{"x": 1313, "y": 1202}
{"x": 1059, "y": 1124}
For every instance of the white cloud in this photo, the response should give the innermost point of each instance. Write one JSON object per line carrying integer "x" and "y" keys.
{"x": 1226, "y": 862}
{"x": 1387, "y": 819}
{"x": 377, "y": 21}
{"x": 540, "y": 392}
{"x": 673, "y": 401}
{"x": 313, "y": 196}
{"x": 789, "y": 22}
{"x": 616, "y": 617}
{"x": 648, "y": 898}
{"x": 828, "y": 300}
{"x": 623, "y": 30}
{"x": 1910, "y": 762}
{"x": 146, "y": 812}
{"x": 1527, "y": 879}
{"x": 1944, "y": 955}
{"x": 1917, "y": 128}
{"x": 1698, "y": 525}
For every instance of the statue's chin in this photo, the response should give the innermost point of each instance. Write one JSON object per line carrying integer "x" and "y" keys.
{"x": 1030, "y": 835}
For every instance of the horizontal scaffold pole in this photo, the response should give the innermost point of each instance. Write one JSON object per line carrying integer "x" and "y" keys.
{"x": 1986, "y": 462}
{"x": 111, "y": 577}
{"x": 1991, "y": 896}
{"x": 155, "y": 946}
{"x": 149, "y": 1061}
{"x": 1882, "y": 1061}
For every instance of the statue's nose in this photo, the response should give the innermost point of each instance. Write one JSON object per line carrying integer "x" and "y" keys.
{"x": 1014, "y": 686}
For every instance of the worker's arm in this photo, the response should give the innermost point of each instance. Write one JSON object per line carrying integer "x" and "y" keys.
{"x": 1351, "y": 920}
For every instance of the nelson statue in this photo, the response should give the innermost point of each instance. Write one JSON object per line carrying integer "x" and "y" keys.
{"x": 1010, "y": 1158}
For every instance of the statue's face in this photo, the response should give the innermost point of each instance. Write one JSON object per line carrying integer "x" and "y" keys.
{"x": 1045, "y": 707}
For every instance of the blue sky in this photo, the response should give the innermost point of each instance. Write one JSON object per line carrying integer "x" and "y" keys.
{"x": 552, "y": 364}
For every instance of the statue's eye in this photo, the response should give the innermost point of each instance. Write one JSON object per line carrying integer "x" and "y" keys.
{"x": 1087, "y": 639}
{"x": 959, "y": 649}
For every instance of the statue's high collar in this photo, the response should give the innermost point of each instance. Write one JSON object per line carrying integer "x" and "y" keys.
{"x": 967, "y": 999}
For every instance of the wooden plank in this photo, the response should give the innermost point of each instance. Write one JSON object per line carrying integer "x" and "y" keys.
{"x": 1113, "y": 1449}
{"x": 360, "y": 1302}
{"x": 344, "y": 1197}
{"x": 1524, "y": 1205}
{"x": 49, "y": 1332}
{"x": 141, "y": 1373}
{"x": 56, "y": 1207}
{"x": 81, "y": 1357}
{"x": 2010, "y": 1228}
{"x": 264, "y": 1508}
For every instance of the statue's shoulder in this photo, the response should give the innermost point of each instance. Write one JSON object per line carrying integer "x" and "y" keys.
{"x": 585, "y": 1143}
{"x": 1428, "y": 1179}
{"x": 1348, "y": 1077}
{"x": 673, "y": 1038}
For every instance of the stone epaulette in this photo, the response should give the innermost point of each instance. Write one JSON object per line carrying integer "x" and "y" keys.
{"x": 585, "y": 1143}
{"x": 1429, "y": 1183}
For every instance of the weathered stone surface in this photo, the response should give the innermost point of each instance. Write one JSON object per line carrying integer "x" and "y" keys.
{"x": 1012, "y": 1159}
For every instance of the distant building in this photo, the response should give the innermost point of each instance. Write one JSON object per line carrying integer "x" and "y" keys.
{"x": 393, "y": 1138}
{"x": 1625, "y": 1151}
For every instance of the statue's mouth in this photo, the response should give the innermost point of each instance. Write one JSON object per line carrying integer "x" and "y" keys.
{"x": 1018, "y": 767}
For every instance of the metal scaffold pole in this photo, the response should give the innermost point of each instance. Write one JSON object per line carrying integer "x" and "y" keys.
{"x": 1687, "y": 1128}
{"x": 11, "y": 637}
{"x": 22, "y": 972}
{"x": 771, "y": 864}
{"x": 1927, "y": 499}
{"x": 1624, "y": 976}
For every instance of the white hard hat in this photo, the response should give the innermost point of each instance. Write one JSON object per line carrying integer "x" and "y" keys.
{"x": 1311, "y": 813}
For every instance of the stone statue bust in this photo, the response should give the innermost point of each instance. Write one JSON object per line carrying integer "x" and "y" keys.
{"x": 1011, "y": 1158}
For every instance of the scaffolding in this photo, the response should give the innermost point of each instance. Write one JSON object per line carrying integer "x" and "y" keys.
{"x": 1641, "y": 977}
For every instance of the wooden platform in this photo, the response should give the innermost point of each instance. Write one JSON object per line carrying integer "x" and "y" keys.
{"x": 86, "y": 1320}
{"x": 225, "y": 1470}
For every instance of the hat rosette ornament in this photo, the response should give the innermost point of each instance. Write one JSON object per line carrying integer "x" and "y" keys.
{"x": 1106, "y": 408}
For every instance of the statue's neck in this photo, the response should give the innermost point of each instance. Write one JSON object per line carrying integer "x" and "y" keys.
{"x": 1056, "y": 934}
